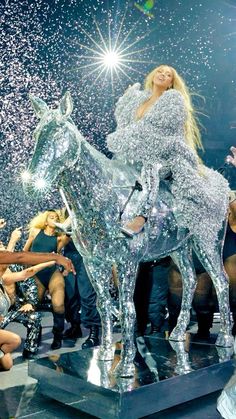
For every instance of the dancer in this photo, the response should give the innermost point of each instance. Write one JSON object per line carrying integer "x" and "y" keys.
{"x": 18, "y": 298}
{"x": 157, "y": 127}
{"x": 43, "y": 238}
{"x": 19, "y": 290}
{"x": 9, "y": 341}
{"x": 25, "y": 258}
{"x": 80, "y": 295}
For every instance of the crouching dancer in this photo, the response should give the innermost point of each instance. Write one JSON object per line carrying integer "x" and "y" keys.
{"x": 19, "y": 300}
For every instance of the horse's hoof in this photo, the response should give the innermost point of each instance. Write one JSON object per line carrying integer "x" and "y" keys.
{"x": 124, "y": 369}
{"x": 185, "y": 369}
{"x": 105, "y": 354}
{"x": 225, "y": 340}
{"x": 177, "y": 336}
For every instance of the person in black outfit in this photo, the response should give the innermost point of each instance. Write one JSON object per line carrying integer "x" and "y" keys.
{"x": 229, "y": 256}
{"x": 80, "y": 295}
{"x": 150, "y": 296}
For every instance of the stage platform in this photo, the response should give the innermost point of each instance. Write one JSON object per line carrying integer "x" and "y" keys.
{"x": 167, "y": 374}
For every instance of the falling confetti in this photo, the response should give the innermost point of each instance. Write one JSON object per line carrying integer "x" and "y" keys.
{"x": 50, "y": 46}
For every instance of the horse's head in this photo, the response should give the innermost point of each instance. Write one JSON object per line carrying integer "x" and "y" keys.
{"x": 57, "y": 145}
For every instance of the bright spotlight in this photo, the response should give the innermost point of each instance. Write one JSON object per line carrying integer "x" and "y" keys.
{"x": 40, "y": 184}
{"x": 116, "y": 53}
{"x": 111, "y": 59}
{"x": 25, "y": 176}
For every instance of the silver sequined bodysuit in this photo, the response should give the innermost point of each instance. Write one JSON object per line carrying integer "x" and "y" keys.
{"x": 200, "y": 199}
{"x": 4, "y": 301}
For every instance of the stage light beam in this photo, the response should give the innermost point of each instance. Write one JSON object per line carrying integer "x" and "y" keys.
{"x": 111, "y": 59}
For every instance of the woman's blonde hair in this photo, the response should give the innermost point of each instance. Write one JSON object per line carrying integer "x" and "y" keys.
{"x": 39, "y": 221}
{"x": 192, "y": 133}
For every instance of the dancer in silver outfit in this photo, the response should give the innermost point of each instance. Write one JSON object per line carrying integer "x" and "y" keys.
{"x": 19, "y": 301}
{"x": 23, "y": 311}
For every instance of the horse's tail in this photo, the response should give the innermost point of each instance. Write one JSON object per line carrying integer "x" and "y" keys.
{"x": 222, "y": 234}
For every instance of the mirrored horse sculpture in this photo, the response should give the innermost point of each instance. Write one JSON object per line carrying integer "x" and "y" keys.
{"x": 95, "y": 189}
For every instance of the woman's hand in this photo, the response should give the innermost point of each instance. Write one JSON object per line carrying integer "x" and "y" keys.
{"x": 16, "y": 234}
{"x": 2, "y": 222}
{"x": 232, "y": 159}
{"x": 133, "y": 86}
{"x": 66, "y": 263}
{"x": 26, "y": 308}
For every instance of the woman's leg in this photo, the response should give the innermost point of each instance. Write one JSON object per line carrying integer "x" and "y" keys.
{"x": 32, "y": 322}
{"x": 8, "y": 342}
{"x": 57, "y": 291}
{"x": 203, "y": 305}
{"x": 41, "y": 289}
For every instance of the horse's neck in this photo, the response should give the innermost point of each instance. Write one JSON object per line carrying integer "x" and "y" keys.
{"x": 87, "y": 184}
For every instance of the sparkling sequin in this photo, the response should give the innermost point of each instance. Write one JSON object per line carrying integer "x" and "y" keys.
{"x": 200, "y": 195}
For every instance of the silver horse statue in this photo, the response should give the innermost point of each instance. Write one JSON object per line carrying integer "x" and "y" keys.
{"x": 95, "y": 191}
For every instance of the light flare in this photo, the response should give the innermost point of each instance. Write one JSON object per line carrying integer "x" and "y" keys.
{"x": 113, "y": 54}
{"x": 25, "y": 176}
{"x": 40, "y": 184}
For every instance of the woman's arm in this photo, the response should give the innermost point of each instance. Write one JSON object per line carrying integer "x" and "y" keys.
{"x": 11, "y": 277}
{"x": 140, "y": 139}
{"x": 15, "y": 237}
{"x": 123, "y": 109}
{"x": 31, "y": 258}
{"x": 62, "y": 241}
{"x": 33, "y": 233}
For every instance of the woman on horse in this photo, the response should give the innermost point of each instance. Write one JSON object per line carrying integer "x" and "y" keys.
{"x": 157, "y": 127}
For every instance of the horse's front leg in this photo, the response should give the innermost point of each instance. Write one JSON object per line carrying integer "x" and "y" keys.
{"x": 183, "y": 259}
{"x": 127, "y": 271}
{"x": 99, "y": 275}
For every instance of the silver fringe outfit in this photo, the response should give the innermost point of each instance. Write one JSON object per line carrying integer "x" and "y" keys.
{"x": 157, "y": 141}
{"x": 25, "y": 293}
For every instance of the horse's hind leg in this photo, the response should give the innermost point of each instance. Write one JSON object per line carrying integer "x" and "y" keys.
{"x": 215, "y": 268}
{"x": 99, "y": 275}
{"x": 127, "y": 271}
{"x": 183, "y": 259}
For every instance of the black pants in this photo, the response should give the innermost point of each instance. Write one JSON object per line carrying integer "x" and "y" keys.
{"x": 151, "y": 292}
{"x": 80, "y": 295}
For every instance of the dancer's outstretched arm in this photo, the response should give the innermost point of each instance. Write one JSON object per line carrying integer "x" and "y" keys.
{"x": 31, "y": 258}
{"x": 12, "y": 277}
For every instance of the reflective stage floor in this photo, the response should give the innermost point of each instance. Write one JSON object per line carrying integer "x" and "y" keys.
{"x": 167, "y": 374}
{"x": 171, "y": 381}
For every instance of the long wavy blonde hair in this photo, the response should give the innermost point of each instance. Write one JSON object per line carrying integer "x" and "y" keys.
{"x": 192, "y": 132}
{"x": 39, "y": 221}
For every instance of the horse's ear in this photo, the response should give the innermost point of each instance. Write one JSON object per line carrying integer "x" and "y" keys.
{"x": 66, "y": 105}
{"x": 39, "y": 106}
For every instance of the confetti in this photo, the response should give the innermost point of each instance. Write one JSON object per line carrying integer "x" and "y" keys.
{"x": 51, "y": 46}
